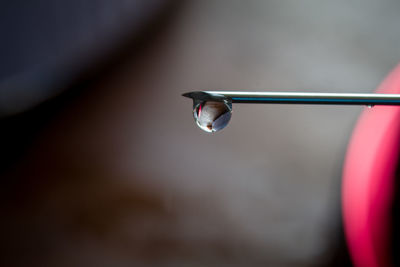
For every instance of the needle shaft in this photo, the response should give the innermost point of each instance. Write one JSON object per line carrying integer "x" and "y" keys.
{"x": 302, "y": 97}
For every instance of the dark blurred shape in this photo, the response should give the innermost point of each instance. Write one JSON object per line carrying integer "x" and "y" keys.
{"x": 53, "y": 50}
{"x": 46, "y": 44}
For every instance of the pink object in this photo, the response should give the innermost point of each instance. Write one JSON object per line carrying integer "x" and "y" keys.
{"x": 368, "y": 180}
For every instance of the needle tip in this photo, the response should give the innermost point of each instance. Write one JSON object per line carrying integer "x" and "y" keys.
{"x": 189, "y": 95}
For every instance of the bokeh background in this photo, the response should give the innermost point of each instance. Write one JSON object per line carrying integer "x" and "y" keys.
{"x": 103, "y": 165}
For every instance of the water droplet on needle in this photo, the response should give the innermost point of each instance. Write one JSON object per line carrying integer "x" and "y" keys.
{"x": 212, "y": 116}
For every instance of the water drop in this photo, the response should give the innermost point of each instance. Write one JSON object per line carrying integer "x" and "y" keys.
{"x": 370, "y": 106}
{"x": 212, "y": 116}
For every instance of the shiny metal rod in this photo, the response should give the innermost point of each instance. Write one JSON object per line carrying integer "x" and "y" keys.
{"x": 297, "y": 98}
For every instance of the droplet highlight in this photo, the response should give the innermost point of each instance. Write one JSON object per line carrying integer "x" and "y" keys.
{"x": 212, "y": 116}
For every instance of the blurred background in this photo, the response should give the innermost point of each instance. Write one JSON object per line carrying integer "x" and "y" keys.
{"x": 103, "y": 165}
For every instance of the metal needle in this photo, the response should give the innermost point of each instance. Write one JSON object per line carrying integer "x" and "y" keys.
{"x": 297, "y": 97}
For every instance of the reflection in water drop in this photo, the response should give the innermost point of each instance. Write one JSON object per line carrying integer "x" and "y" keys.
{"x": 212, "y": 116}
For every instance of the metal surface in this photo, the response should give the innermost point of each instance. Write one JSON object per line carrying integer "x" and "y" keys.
{"x": 297, "y": 97}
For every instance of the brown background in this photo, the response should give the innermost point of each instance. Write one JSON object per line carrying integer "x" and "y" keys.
{"x": 121, "y": 176}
